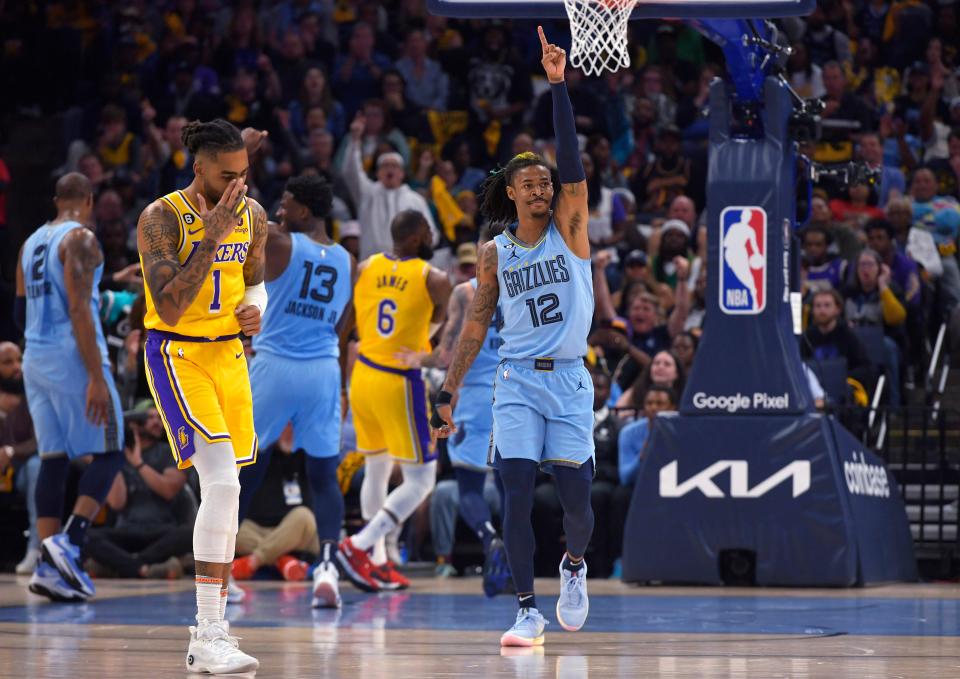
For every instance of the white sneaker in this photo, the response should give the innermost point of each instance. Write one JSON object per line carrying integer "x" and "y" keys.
{"x": 214, "y": 651}
{"x": 235, "y": 593}
{"x": 326, "y": 587}
{"x": 573, "y": 603}
{"x": 29, "y": 562}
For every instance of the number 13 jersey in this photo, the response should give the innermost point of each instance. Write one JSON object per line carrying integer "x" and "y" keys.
{"x": 307, "y": 301}
{"x": 546, "y": 297}
{"x": 393, "y": 308}
{"x": 211, "y": 312}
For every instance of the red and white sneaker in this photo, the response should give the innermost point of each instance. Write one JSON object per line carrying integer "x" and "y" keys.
{"x": 356, "y": 566}
{"x": 291, "y": 568}
{"x": 389, "y": 577}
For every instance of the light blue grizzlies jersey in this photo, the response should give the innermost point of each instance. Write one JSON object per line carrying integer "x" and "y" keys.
{"x": 484, "y": 367}
{"x": 307, "y": 301}
{"x": 546, "y": 297}
{"x": 48, "y": 310}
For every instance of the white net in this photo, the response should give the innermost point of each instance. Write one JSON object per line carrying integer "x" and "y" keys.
{"x": 599, "y": 32}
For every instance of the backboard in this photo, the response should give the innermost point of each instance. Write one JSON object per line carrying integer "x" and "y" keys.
{"x": 646, "y": 9}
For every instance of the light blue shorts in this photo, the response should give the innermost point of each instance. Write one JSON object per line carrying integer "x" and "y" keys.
{"x": 305, "y": 392}
{"x": 474, "y": 419}
{"x": 545, "y": 414}
{"x": 56, "y": 391}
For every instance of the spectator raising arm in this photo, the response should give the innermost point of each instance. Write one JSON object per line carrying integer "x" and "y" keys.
{"x": 357, "y": 181}
{"x": 681, "y": 305}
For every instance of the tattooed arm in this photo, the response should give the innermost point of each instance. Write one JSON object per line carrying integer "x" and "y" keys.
{"x": 174, "y": 287}
{"x": 474, "y": 332}
{"x": 81, "y": 256}
{"x": 255, "y": 265}
{"x": 456, "y": 314}
{"x": 571, "y": 216}
{"x": 440, "y": 357}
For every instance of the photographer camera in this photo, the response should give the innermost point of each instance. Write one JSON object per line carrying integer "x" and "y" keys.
{"x": 154, "y": 525}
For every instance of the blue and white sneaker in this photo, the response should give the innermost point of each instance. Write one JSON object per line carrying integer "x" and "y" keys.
{"x": 527, "y": 630}
{"x": 496, "y": 569}
{"x": 59, "y": 552}
{"x": 47, "y": 581}
{"x": 573, "y": 604}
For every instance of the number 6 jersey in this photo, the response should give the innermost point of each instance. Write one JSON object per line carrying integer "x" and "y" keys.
{"x": 546, "y": 297}
{"x": 307, "y": 301}
{"x": 393, "y": 308}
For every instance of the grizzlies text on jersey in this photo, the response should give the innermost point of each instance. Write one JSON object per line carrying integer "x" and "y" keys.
{"x": 543, "y": 393}
{"x": 546, "y": 296}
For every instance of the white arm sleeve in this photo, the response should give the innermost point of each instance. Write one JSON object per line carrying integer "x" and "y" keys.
{"x": 256, "y": 294}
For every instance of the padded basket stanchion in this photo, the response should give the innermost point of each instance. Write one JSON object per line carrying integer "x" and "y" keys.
{"x": 599, "y": 32}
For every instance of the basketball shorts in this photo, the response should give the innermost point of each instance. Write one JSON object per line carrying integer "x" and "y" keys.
{"x": 543, "y": 411}
{"x": 305, "y": 392}
{"x": 474, "y": 419}
{"x": 56, "y": 389}
{"x": 201, "y": 388}
{"x": 390, "y": 412}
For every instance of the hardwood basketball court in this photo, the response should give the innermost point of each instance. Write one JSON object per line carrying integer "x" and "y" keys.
{"x": 446, "y": 628}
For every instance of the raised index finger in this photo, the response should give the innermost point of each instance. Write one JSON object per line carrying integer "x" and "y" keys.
{"x": 543, "y": 38}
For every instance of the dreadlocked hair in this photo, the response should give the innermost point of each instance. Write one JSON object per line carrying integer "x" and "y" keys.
{"x": 495, "y": 204}
{"x": 214, "y": 136}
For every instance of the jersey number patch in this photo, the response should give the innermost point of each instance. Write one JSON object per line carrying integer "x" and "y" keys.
{"x": 543, "y": 310}
{"x": 323, "y": 291}
{"x": 215, "y": 302}
{"x": 36, "y": 271}
{"x": 385, "y": 311}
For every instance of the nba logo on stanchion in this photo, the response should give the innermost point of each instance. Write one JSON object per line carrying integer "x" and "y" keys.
{"x": 743, "y": 260}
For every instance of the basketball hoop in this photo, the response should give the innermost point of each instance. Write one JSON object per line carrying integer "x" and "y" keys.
{"x": 599, "y": 32}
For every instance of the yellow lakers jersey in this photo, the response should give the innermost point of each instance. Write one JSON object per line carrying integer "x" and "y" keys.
{"x": 393, "y": 308}
{"x": 211, "y": 313}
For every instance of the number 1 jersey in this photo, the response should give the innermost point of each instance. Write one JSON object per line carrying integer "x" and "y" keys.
{"x": 393, "y": 308}
{"x": 546, "y": 297}
{"x": 211, "y": 312}
{"x": 307, "y": 301}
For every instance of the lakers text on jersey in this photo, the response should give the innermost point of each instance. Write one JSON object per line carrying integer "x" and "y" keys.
{"x": 196, "y": 369}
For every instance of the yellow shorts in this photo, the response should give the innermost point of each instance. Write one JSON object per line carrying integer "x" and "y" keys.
{"x": 390, "y": 412}
{"x": 201, "y": 387}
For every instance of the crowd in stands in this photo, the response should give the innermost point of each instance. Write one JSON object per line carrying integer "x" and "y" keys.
{"x": 400, "y": 109}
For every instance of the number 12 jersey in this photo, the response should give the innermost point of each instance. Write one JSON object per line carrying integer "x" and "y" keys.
{"x": 546, "y": 297}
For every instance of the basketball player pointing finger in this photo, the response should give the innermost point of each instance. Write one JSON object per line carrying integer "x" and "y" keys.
{"x": 539, "y": 272}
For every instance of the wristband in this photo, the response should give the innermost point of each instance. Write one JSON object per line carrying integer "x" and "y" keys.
{"x": 137, "y": 468}
{"x": 444, "y": 398}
